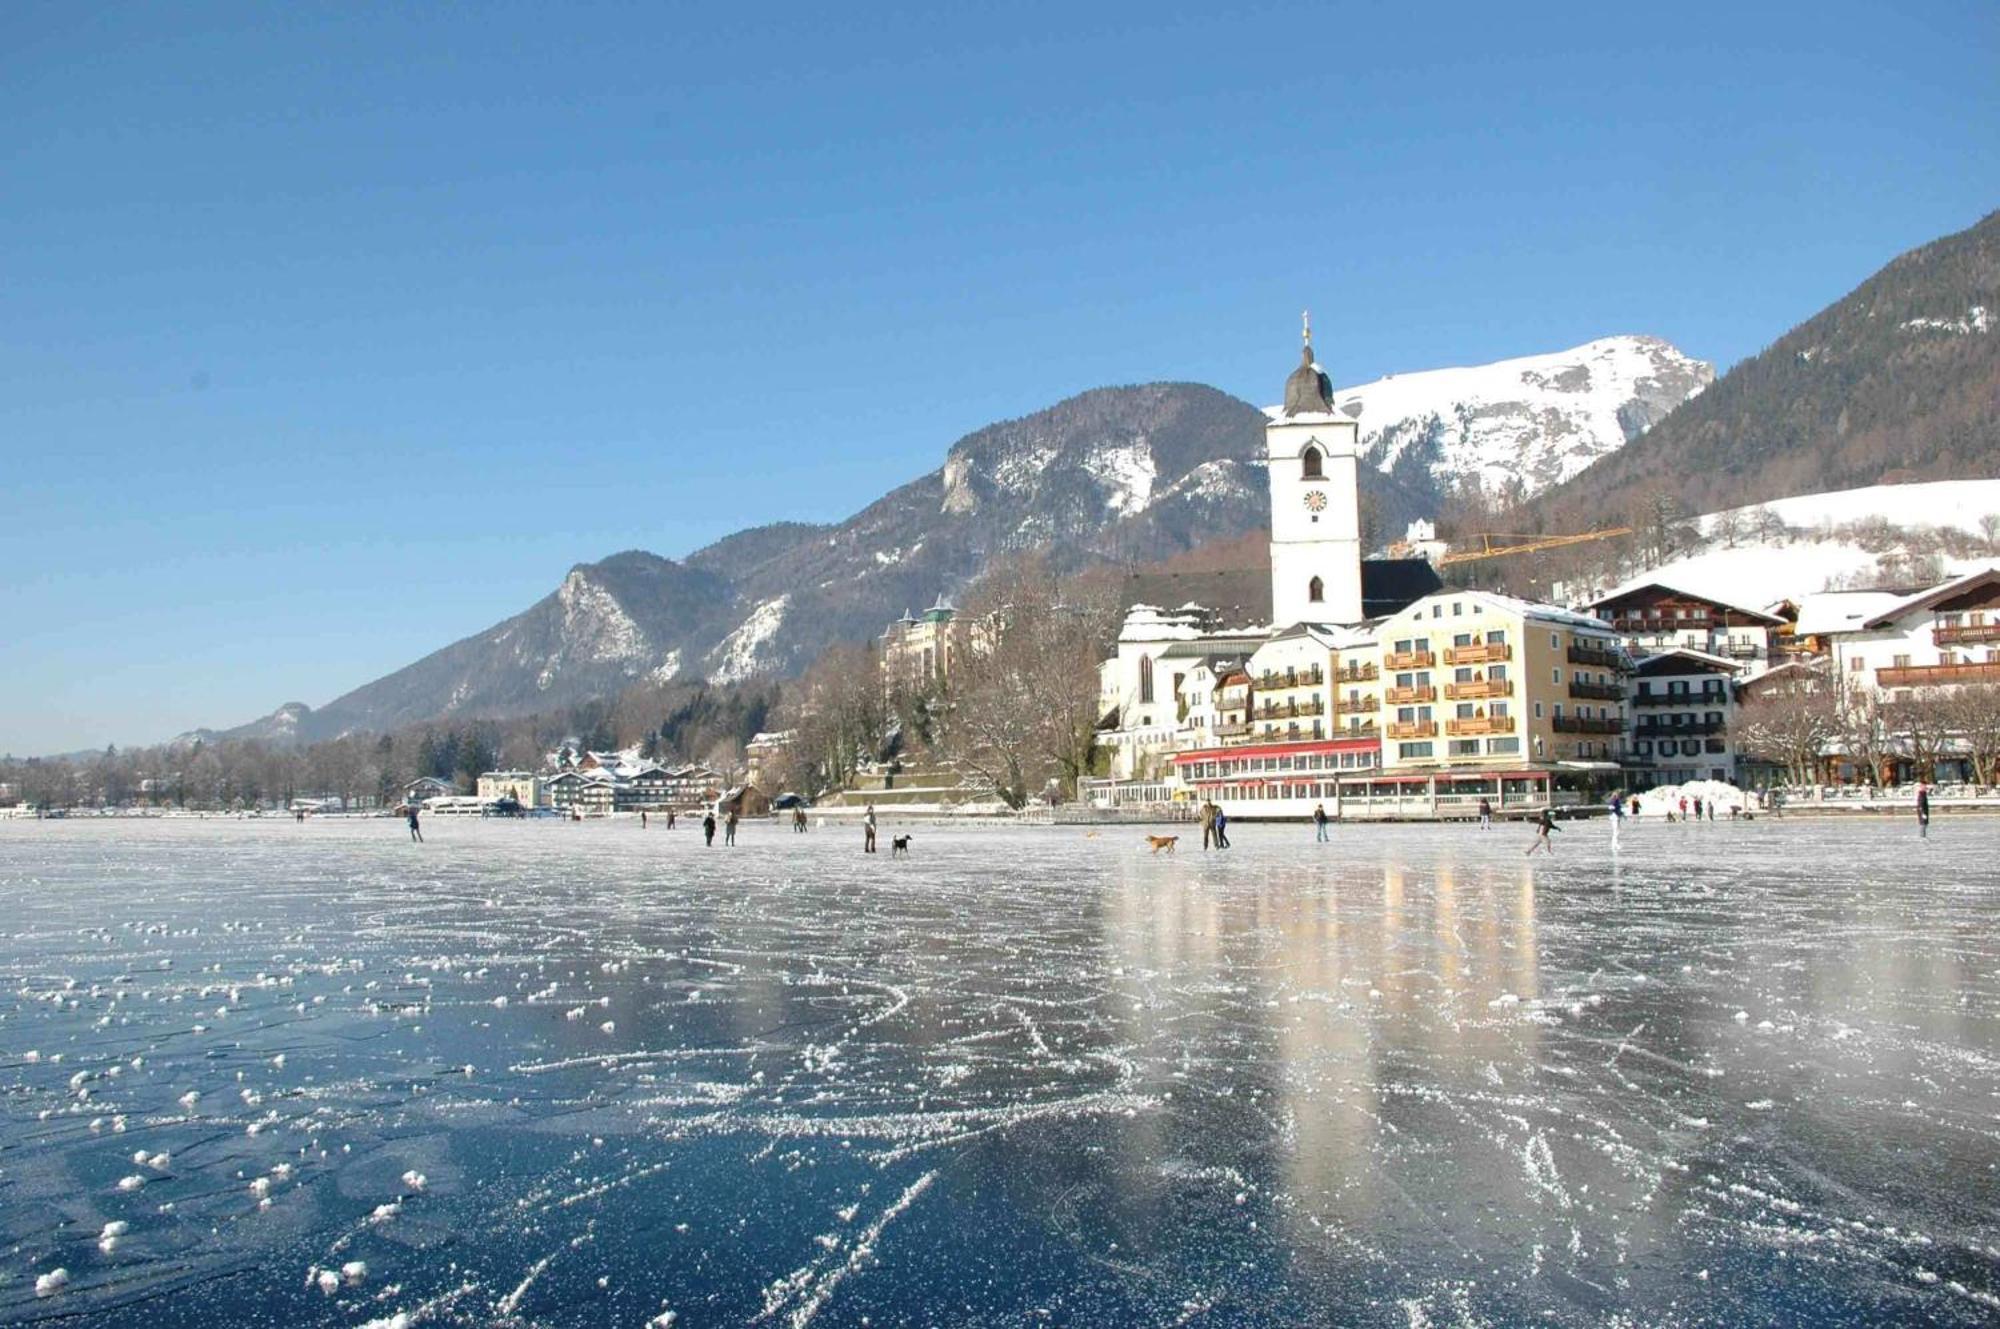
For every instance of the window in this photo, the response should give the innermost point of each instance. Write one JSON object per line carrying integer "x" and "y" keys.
{"x": 1497, "y": 637}
{"x": 1315, "y": 590}
{"x": 1413, "y": 751}
{"x": 1497, "y": 709}
{"x": 1555, "y": 675}
{"x": 1145, "y": 680}
{"x": 1310, "y": 467}
{"x": 1463, "y": 747}
{"x": 1555, "y": 641}
{"x": 1437, "y": 611}
{"x": 1854, "y": 664}
{"x": 1496, "y": 673}
{"x": 1502, "y": 746}
{"x": 1457, "y": 608}
{"x": 1538, "y": 710}
{"x": 1900, "y": 661}
{"x": 1462, "y": 639}
{"x": 1465, "y": 710}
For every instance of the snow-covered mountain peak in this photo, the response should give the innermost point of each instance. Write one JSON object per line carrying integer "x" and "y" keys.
{"x": 1535, "y": 420}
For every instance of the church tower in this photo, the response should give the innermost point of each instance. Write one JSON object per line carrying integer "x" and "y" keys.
{"x": 1315, "y": 503}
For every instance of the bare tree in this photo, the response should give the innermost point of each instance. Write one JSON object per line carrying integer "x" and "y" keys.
{"x": 1920, "y": 728}
{"x": 1792, "y": 725}
{"x": 1973, "y": 715}
{"x": 1864, "y": 732}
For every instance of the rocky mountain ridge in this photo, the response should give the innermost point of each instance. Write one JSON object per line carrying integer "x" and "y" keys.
{"x": 1115, "y": 475}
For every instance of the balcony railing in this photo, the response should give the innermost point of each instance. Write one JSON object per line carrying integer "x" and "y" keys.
{"x": 1638, "y": 624}
{"x": 1951, "y": 633}
{"x": 1477, "y": 688}
{"x": 1292, "y": 711}
{"x": 1359, "y": 731}
{"x": 1597, "y": 691}
{"x": 1580, "y": 724}
{"x": 1414, "y": 729}
{"x": 1479, "y": 652}
{"x": 1696, "y": 729}
{"x": 1480, "y": 724}
{"x": 1410, "y": 696}
{"x": 1365, "y": 674}
{"x": 1591, "y": 655}
{"x": 1409, "y": 660}
{"x": 1367, "y": 703}
{"x": 1678, "y": 698}
{"x": 1232, "y": 729}
{"x": 1925, "y": 676}
{"x": 1303, "y": 678}
{"x": 1743, "y": 650}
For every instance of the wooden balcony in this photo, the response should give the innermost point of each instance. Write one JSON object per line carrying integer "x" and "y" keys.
{"x": 1591, "y": 655}
{"x": 1678, "y": 698}
{"x": 1414, "y": 729}
{"x": 1480, "y": 724}
{"x": 1369, "y": 730}
{"x": 1300, "y": 678}
{"x": 1959, "y": 633}
{"x": 1578, "y": 724}
{"x": 1365, "y": 674}
{"x": 1346, "y": 706}
{"x": 1597, "y": 691}
{"x": 1409, "y": 696}
{"x": 1930, "y": 676}
{"x": 1231, "y": 729}
{"x": 1408, "y": 660}
{"x": 1477, "y": 688}
{"x": 1479, "y": 652}
{"x": 1292, "y": 711}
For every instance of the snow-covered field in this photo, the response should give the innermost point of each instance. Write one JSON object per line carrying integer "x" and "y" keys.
{"x": 258, "y": 1073}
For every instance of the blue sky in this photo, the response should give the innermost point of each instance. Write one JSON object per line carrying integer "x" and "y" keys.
{"x": 330, "y": 335}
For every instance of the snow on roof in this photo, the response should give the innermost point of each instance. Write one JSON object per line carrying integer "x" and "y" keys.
{"x": 1703, "y": 657}
{"x": 1652, "y": 581}
{"x": 1511, "y": 604}
{"x": 1823, "y": 612}
{"x": 1924, "y": 599}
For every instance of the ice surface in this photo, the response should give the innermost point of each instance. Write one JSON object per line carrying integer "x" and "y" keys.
{"x": 1743, "y": 1073}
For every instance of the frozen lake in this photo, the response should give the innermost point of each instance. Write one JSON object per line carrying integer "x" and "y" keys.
{"x": 587, "y": 1075}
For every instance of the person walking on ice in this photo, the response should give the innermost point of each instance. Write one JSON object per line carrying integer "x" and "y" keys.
{"x": 416, "y": 831}
{"x": 1923, "y": 811}
{"x": 1617, "y": 806}
{"x": 1207, "y": 824}
{"x": 708, "y": 828}
{"x": 1319, "y": 821}
{"x": 1221, "y": 829}
{"x": 868, "y": 830}
{"x": 1544, "y": 826}
{"x": 1485, "y": 814}
{"x": 729, "y": 827}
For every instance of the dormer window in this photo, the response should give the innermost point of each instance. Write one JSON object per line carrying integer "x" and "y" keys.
{"x": 1315, "y": 589}
{"x": 1312, "y": 469}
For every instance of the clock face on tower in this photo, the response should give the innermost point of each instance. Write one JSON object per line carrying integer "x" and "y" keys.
{"x": 1315, "y": 500}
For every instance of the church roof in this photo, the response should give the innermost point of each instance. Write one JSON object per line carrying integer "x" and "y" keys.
{"x": 1308, "y": 391}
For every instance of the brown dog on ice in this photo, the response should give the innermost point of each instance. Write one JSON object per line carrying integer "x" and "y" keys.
{"x": 1163, "y": 842}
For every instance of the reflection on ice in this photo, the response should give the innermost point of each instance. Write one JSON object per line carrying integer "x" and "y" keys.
{"x": 584, "y": 1075}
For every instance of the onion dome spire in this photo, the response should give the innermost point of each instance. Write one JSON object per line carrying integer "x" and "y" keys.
{"x": 1308, "y": 391}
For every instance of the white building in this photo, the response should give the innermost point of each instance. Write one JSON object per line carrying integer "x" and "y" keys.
{"x": 1684, "y": 705}
{"x": 1947, "y": 635}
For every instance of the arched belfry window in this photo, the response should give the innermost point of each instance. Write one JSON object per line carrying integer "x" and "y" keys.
{"x": 1145, "y": 680}
{"x": 1316, "y": 590}
{"x": 1312, "y": 469}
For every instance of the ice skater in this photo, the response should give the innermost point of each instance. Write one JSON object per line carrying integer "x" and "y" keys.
{"x": 1545, "y": 825}
{"x": 1319, "y": 821}
{"x": 1221, "y": 829}
{"x": 729, "y": 827}
{"x": 868, "y": 830}
{"x": 1207, "y": 825}
{"x": 1485, "y": 814}
{"x": 1617, "y": 819}
{"x": 416, "y": 831}
{"x": 708, "y": 829}
{"x": 1923, "y": 811}
{"x": 642, "y": 819}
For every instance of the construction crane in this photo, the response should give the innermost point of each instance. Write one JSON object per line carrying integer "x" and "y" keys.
{"x": 1522, "y": 544}
{"x": 1527, "y": 544}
